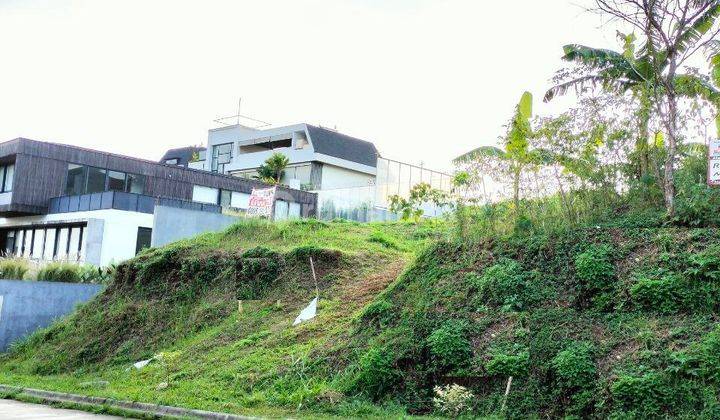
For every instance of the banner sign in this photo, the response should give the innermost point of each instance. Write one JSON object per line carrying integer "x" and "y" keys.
{"x": 262, "y": 201}
{"x": 713, "y": 175}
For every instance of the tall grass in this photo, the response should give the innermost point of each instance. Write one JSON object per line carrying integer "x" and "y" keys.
{"x": 14, "y": 268}
{"x": 60, "y": 272}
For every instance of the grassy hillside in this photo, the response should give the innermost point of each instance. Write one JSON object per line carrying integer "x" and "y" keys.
{"x": 599, "y": 322}
{"x": 181, "y": 301}
{"x": 590, "y": 323}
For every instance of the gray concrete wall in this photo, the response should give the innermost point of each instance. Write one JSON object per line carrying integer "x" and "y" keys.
{"x": 28, "y": 305}
{"x": 171, "y": 224}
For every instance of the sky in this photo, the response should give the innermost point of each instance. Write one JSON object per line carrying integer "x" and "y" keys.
{"x": 425, "y": 80}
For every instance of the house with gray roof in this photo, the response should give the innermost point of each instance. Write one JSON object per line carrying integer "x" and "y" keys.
{"x": 350, "y": 177}
{"x": 320, "y": 158}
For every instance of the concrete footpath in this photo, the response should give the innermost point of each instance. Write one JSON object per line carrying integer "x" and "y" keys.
{"x": 15, "y": 410}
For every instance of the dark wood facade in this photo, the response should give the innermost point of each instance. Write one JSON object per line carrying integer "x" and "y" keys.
{"x": 41, "y": 174}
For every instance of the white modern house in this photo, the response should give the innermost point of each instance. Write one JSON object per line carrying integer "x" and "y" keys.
{"x": 350, "y": 177}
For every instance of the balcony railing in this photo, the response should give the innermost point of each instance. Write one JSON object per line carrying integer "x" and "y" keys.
{"x": 119, "y": 200}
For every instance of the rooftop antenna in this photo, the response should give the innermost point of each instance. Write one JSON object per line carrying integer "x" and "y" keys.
{"x": 238, "y": 116}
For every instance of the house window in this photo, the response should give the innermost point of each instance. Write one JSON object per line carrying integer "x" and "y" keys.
{"x": 95, "y": 180}
{"x": 174, "y": 161}
{"x": 144, "y": 238}
{"x": 75, "y": 180}
{"x": 116, "y": 181}
{"x": 225, "y": 198}
{"x": 205, "y": 194}
{"x": 86, "y": 180}
{"x": 63, "y": 242}
{"x": 135, "y": 184}
{"x": 221, "y": 155}
{"x": 7, "y": 174}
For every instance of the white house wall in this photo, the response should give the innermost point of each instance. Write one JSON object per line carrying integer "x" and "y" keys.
{"x": 111, "y": 234}
{"x": 334, "y": 177}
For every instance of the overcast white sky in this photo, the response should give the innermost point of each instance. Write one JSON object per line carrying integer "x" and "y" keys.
{"x": 425, "y": 80}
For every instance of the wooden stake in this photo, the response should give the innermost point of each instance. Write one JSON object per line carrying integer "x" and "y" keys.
{"x": 240, "y": 308}
{"x": 507, "y": 392}
{"x": 317, "y": 290}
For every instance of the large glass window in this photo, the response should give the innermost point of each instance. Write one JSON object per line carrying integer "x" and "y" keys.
{"x": 75, "y": 180}
{"x": 95, "y": 180}
{"x": 116, "y": 181}
{"x": 205, "y": 194}
{"x": 86, "y": 180}
{"x": 221, "y": 154}
{"x": 6, "y": 177}
{"x": 144, "y": 238}
{"x": 135, "y": 184}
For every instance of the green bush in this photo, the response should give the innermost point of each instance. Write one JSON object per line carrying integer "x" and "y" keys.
{"x": 257, "y": 271}
{"x": 641, "y": 396}
{"x": 595, "y": 271}
{"x": 705, "y": 265}
{"x": 60, "y": 272}
{"x": 377, "y": 374}
{"x": 97, "y": 275}
{"x": 668, "y": 294}
{"x": 506, "y": 284}
{"x": 696, "y": 203}
{"x": 378, "y": 311}
{"x": 13, "y": 268}
{"x": 449, "y": 346}
{"x": 574, "y": 367}
{"x": 514, "y": 363}
{"x": 383, "y": 239}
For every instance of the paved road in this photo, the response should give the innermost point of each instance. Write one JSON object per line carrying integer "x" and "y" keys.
{"x": 15, "y": 410}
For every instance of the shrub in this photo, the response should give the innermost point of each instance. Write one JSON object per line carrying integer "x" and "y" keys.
{"x": 98, "y": 275}
{"x": 13, "y": 268}
{"x": 640, "y": 396}
{"x": 574, "y": 366}
{"x": 452, "y": 400}
{"x": 384, "y": 240}
{"x": 258, "y": 268}
{"x": 515, "y": 363}
{"x": 594, "y": 270}
{"x": 377, "y": 373}
{"x": 323, "y": 255}
{"x": 449, "y": 346}
{"x": 60, "y": 272}
{"x": 668, "y": 294}
{"x": 705, "y": 265}
{"x": 378, "y": 311}
{"x": 506, "y": 284}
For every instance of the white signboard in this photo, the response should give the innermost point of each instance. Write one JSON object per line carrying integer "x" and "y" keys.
{"x": 714, "y": 162}
{"x": 261, "y": 202}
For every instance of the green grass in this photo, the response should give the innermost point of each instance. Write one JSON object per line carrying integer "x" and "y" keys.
{"x": 181, "y": 298}
{"x": 617, "y": 322}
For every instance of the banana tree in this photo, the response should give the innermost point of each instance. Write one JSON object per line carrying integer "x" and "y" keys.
{"x": 621, "y": 72}
{"x": 516, "y": 153}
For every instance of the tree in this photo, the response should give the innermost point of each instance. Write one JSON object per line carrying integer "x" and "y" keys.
{"x": 273, "y": 169}
{"x": 616, "y": 72}
{"x": 516, "y": 155}
{"x": 674, "y": 31}
{"x": 419, "y": 194}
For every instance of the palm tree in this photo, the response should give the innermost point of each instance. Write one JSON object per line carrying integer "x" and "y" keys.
{"x": 273, "y": 169}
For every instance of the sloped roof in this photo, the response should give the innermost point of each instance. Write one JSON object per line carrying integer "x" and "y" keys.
{"x": 332, "y": 143}
{"x": 182, "y": 154}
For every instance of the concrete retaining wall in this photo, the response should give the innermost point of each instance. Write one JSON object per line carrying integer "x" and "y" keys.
{"x": 171, "y": 224}
{"x": 28, "y": 305}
